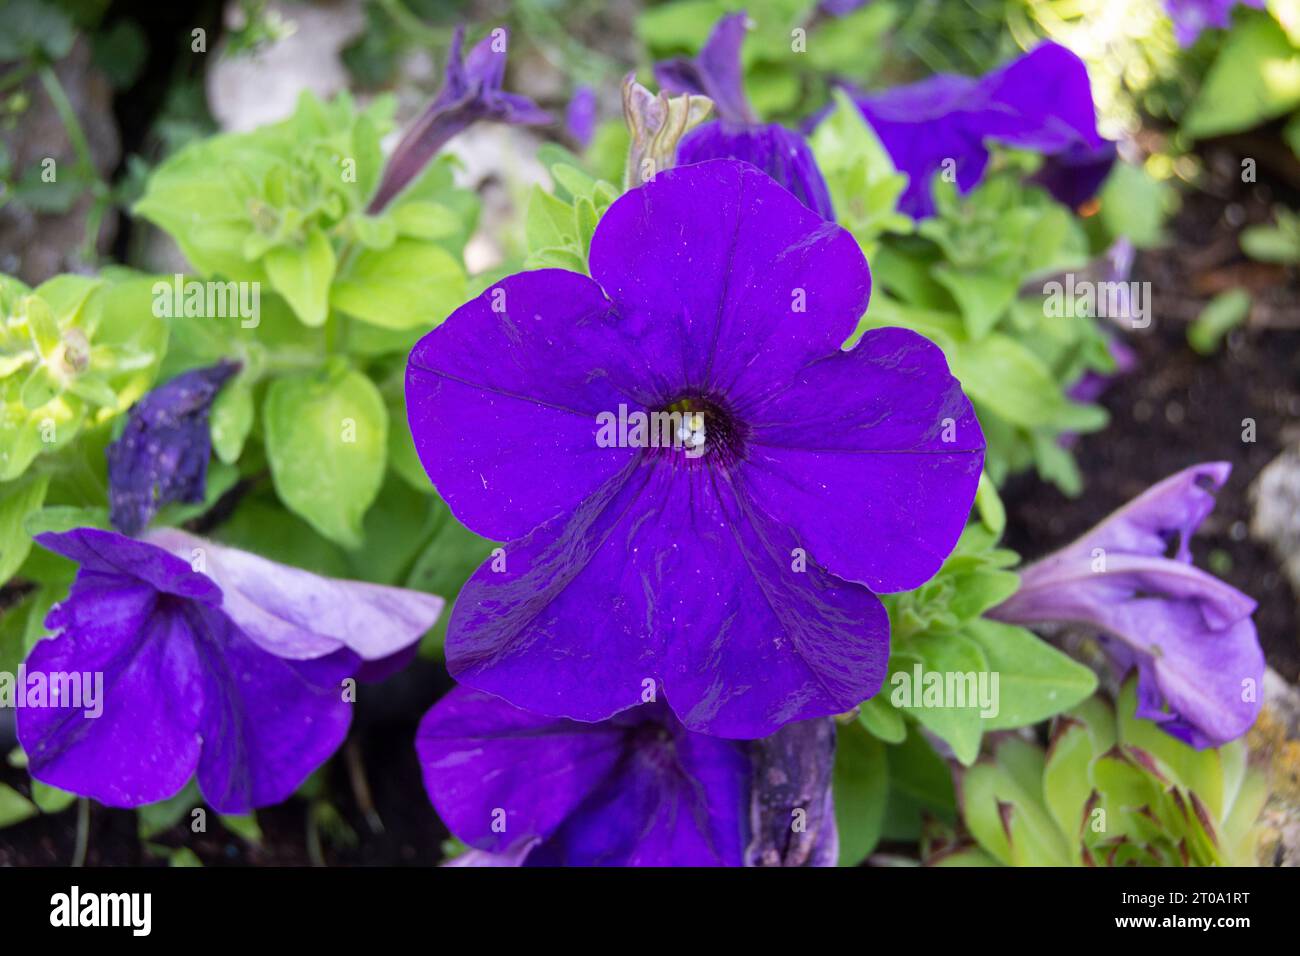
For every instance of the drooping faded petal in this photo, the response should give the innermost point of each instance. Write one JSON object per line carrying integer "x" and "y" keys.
{"x": 726, "y": 280}
{"x": 503, "y": 400}
{"x": 781, "y": 153}
{"x": 656, "y": 124}
{"x": 162, "y": 455}
{"x": 1041, "y": 101}
{"x": 715, "y": 73}
{"x": 471, "y": 92}
{"x": 297, "y": 615}
{"x": 1189, "y": 635}
{"x": 872, "y": 456}
{"x": 182, "y": 688}
{"x": 666, "y": 575}
{"x": 791, "y": 777}
{"x": 638, "y": 790}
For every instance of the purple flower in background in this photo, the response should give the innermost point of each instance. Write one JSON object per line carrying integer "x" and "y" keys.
{"x": 1190, "y": 636}
{"x": 840, "y": 8}
{"x": 1041, "y": 101}
{"x": 716, "y": 73}
{"x": 638, "y": 789}
{"x": 1193, "y": 17}
{"x": 580, "y": 118}
{"x": 471, "y": 92}
{"x": 235, "y": 670}
{"x": 163, "y": 453}
{"x": 741, "y": 577}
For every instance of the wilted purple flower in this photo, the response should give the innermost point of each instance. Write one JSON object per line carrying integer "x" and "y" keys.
{"x": 163, "y": 453}
{"x": 471, "y": 92}
{"x": 638, "y": 789}
{"x": 738, "y": 134}
{"x": 1193, "y": 17}
{"x": 235, "y": 669}
{"x": 1041, "y": 101}
{"x": 735, "y": 577}
{"x": 580, "y": 118}
{"x": 1190, "y": 636}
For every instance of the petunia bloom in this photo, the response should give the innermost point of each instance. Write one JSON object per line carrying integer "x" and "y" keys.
{"x": 1189, "y": 635}
{"x": 716, "y": 73}
{"x": 580, "y": 117}
{"x": 636, "y": 790}
{"x": 162, "y": 455}
{"x": 235, "y": 670}
{"x": 737, "y": 567}
{"x": 471, "y": 91}
{"x": 1193, "y": 17}
{"x": 1041, "y": 101}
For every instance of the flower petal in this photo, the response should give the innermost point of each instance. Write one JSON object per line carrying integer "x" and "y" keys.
{"x": 503, "y": 398}
{"x": 715, "y": 73}
{"x": 665, "y": 574}
{"x": 726, "y": 280}
{"x": 872, "y": 456}
{"x": 487, "y": 764}
{"x": 298, "y": 615}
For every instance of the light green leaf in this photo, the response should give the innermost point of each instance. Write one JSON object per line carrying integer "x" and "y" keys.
{"x": 14, "y": 807}
{"x": 327, "y": 444}
{"x": 410, "y": 284}
{"x": 231, "y": 419}
{"x": 1255, "y": 78}
{"x": 943, "y": 657}
{"x": 18, "y": 499}
{"x": 861, "y": 789}
{"x": 883, "y": 719}
{"x": 302, "y": 274}
{"x": 1035, "y": 681}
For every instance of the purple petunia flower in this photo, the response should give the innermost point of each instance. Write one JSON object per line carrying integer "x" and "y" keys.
{"x": 471, "y": 91}
{"x": 741, "y": 578}
{"x": 636, "y": 790}
{"x": 1041, "y": 101}
{"x": 580, "y": 117}
{"x": 1190, "y": 636}
{"x": 716, "y": 73}
{"x": 235, "y": 670}
{"x": 1193, "y": 17}
{"x": 162, "y": 455}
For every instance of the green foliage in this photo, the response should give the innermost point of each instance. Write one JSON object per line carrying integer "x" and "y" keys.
{"x": 1112, "y": 790}
{"x": 1255, "y": 78}
{"x": 559, "y": 225}
{"x": 1279, "y": 243}
{"x": 1225, "y": 312}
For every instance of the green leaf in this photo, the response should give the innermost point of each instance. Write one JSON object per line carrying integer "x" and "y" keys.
{"x": 232, "y": 419}
{"x": 327, "y": 444}
{"x": 882, "y": 720}
{"x": 1067, "y": 781}
{"x": 1135, "y": 205}
{"x": 155, "y": 818}
{"x": 51, "y": 799}
{"x": 1255, "y": 78}
{"x": 302, "y": 274}
{"x": 244, "y": 827}
{"x": 982, "y": 297}
{"x": 1225, "y": 312}
{"x": 940, "y": 657}
{"x": 408, "y": 285}
{"x": 18, "y": 500}
{"x": 861, "y": 788}
{"x": 1036, "y": 681}
{"x": 920, "y": 783}
{"x": 14, "y": 807}
{"x": 450, "y": 557}
{"x": 1010, "y": 380}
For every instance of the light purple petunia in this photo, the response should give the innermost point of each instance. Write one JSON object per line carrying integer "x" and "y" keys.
{"x": 636, "y": 790}
{"x": 1189, "y": 635}
{"x": 235, "y": 671}
{"x": 162, "y": 454}
{"x": 740, "y": 578}
{"x": 471, "y": 92}
{"x": 1041, "y": 101}
{"x": 1193, "y": 17}
{"x": 738, "y": 134}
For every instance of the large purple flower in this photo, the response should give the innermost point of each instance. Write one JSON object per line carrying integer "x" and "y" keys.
{"x": 162, "y": 455}
{"x": 738, "y": 134}
{"x": 471, "y": 92}
{"x": 636, "y": 790}
{"x": 236, "y": 670}
{"x": 1192, "y": 17}
{"x": 1189, "y": 635}
{"x": 1041, "y": 101}
{"x": 736, "y": 577}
